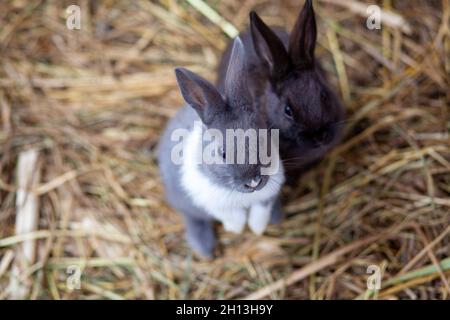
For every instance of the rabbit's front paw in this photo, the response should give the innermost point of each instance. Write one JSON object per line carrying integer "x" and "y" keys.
{"x": 234, "y": 221}
{"x": 259, "y": 217}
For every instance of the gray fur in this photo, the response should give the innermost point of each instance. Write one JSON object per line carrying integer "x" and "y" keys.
{"x": 199, "y": 227}
{"x": 235, "y": 110}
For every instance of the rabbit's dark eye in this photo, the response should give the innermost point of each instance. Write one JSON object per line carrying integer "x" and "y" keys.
{"x": 222, "y": 153}
{"x": 288, "y": 111}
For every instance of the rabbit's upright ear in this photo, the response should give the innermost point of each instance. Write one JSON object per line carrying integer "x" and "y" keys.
{"x": 199, "y": 94}
{"x": 236, "y": 89}
{"x": 302, "y": 41}
{"x": 269, "y": 47}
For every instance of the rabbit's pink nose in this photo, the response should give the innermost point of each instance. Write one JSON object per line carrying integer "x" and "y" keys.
{"x": 253, "y": 183}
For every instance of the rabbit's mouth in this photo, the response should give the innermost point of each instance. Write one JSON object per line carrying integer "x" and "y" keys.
{"x": 255, "y": 184}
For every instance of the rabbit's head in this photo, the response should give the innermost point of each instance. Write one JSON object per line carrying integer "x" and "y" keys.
{"x": 297, "y": 98}
{"x": 221, "y": 115}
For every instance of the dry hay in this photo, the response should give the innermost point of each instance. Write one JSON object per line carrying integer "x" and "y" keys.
{"x": 93, "y": 102}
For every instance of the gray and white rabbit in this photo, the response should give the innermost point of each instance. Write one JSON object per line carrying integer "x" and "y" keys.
{"x": 288, "y": 84}
{"x": 234, "y": 194}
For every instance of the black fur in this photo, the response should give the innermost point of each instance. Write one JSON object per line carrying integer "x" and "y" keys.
{"x": 283, "y": 72}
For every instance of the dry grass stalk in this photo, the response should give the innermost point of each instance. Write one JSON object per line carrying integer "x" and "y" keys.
{"x": 27, "y": 217}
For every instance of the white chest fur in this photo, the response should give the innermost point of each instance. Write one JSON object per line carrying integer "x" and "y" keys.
{"x": 234, "y": 209}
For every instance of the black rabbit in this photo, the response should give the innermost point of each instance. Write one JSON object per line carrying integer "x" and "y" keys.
{"x": 288, "y": 84}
